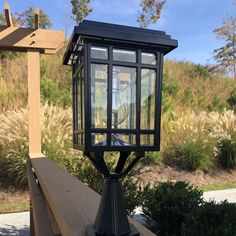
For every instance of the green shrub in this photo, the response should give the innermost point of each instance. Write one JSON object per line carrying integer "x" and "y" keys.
{"x": 212, "y": 219}
{"x": 217, "y": 104}
{"x": 232, "y": 99}
{"x": 187, "y": 98}
{"x": 168, "y": 205}
{"x": 190, "y": 155}
{"x": 151, "y": 158}
{"x": 13, "y": 172}
{"x": 226, "y": 153}
{"x": 53, "y": 95}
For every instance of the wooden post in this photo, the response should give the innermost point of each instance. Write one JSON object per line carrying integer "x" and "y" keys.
{"x": 34, "y": 102}
{"x": 8, "y": 15}
{"x": 36, "y": 18}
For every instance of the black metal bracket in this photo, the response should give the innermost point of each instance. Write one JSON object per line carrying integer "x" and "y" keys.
{"x": 97, "y": 158}
{"x": 112, "y": 218}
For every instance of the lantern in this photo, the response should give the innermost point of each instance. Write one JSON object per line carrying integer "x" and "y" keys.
{"x": 117, "y": 87}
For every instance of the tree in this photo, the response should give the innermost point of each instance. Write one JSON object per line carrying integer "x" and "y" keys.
{"x": 150, "y": 12}
{"x": 226, "y": 55}
{"x": 26, "y": 19}
{"x": 80, "y": 9}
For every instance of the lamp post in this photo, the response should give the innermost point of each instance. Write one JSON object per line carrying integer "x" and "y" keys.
{"x": 117, "y": 84}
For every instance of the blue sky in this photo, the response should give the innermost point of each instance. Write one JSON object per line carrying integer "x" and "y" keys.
{"x": 191, "y": 22}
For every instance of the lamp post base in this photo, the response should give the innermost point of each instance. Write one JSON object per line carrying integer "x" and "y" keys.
{"x": 90, "y": 231}
{"x": 112, "y": 218}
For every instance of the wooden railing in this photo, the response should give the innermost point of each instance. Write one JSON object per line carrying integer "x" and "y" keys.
{"x": 60, "y": 203}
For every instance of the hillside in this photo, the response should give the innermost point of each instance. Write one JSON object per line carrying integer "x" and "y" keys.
{"x": 198, "y": 120}
{"x": 186, "y": 85}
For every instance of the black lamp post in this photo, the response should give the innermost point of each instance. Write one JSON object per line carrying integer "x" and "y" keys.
{"x": 117, "y": 84}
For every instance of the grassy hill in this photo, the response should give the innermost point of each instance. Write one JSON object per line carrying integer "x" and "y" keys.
{"x": 198, "y": 120}
{"x": 186, "y": 85}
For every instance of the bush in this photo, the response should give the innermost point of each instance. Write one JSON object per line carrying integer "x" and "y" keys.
{"x": 226, "y": 153}
{"x": 53, "y": 95}
{"x": 212, "y": 219}
{"x": 168, "y": 205}
{"x": 13, "y": 172}
{"x": 232, "y": 99}
{"x": 217, "y": 104}
{"x": 191, "y": 155}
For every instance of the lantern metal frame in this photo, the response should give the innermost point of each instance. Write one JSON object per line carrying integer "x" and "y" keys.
{"x": 87, "y": 130}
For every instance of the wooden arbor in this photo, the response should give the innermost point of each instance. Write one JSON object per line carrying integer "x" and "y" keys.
{"x": 34, "y": 42}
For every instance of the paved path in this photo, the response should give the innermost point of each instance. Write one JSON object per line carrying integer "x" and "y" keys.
{"x": 221, "y": 195}
{"x": 14, "y": 224}
{"x": 17, "y": 224}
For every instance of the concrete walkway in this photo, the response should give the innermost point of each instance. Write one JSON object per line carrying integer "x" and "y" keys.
{"x": 14, "y": 224}
{"x": 17, "y": 224}
{"x": 221, "y": 195}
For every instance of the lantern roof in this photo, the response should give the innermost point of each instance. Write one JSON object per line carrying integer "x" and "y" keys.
{"x": 119, "y": 33}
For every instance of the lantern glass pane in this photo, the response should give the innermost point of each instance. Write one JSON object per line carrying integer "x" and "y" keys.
{"x": 124, "y": 97}
{"x": 99, "y": 75}
{"x": 99, "y": 52}
{"x": 124, "y": 55}
{"x": 75, "y": 109}
{"x": 78, "y": 102}
{"x": 149, "y": 58}
{"x": 147, "y": 139}
{"x": 147, "y": 114}
{"x": 99, "y": 139}
{"x": 82, "y": 97}
{"x": 123, "y": 139}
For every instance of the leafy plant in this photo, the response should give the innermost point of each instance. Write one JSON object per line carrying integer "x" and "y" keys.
{"x": 212, "y": 219}
{"x": 217, "y": 104}
{"x": 191, "y": 155}
{"x": 226, "y": 153}
{"x": 232, "y": 99}
{"x": 53, "y": 95}
{"x": 167, "y": 205}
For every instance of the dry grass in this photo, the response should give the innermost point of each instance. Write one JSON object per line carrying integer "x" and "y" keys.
{"x": 204, "y": 126}
{"x": 56, "y": 126}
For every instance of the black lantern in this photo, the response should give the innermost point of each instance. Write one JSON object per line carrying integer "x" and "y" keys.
{"x": 117, "y": 86}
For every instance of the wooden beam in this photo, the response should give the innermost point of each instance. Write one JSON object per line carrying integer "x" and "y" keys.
{"x": 41, "y": 222}
{"x": 22, "y": 39}
{"x": 36, "y": 18}
{"x": 73, "y": 204}
{"x": 34, "y": 102}
{"x": 8, "y": 14}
